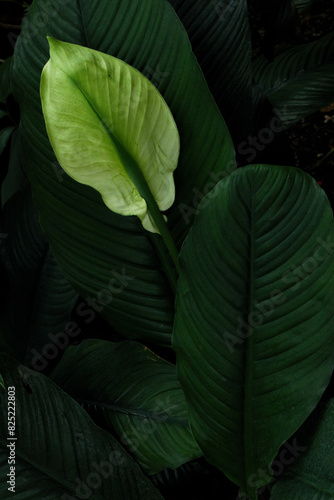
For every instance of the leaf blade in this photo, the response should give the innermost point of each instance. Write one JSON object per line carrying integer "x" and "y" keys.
{"x": 88, "y": 241}
{"x": 76, "y": 444}
{"x": 139, "y": 395}
{"x": 311, "y": 475}
{"x": 299, "y": 81}
{"x": 242, "y": 311}
{"x": 107, "y": 124}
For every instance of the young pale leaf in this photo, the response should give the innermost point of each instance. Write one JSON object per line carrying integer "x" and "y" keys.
{"x": 110, "y": 129}
{"x": 254, "y": 320}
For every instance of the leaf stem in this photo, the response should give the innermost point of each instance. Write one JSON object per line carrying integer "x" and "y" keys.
{"x": 139, "y": 181}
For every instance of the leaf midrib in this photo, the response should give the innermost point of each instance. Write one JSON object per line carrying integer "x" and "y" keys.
{"x": 295, "y": 78}
{"x": 136, "y": 412}
{"x": 133, "y": 171}
{"x": 248, "y": 421}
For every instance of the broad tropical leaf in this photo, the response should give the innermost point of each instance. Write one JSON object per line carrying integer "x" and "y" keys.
{"x": 40, "y": 298}
{"x": 254, "y": 316}
{"x": 111, "y": 130}
{"x": 139, "y": 395}
{"x": 311, "y": 476}
{"x": 220, "y": 37}
{"x": 59, "y": 452}
{"x": 89, "y": 241}
{"x": 300, "y": 79}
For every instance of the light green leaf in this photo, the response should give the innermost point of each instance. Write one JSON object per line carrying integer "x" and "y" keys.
{"x": 110, "y": 129}
{"x": 90, "y": 242}
{"x": 139, "y": 395}
{"x": 254, "y": 316}
{"x": 59, "y": 453}
{"x": 300, "y": 79}
{"x": 311, "y": 476}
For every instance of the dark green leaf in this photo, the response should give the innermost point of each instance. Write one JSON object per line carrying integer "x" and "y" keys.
{"x": 59, "y": 453}
{"x": 220, "y": 38}
{"x": 110, "y": 259}
{"x": 139, "y": 395}
{"x": 5, "y": 134}
{"x": 5, "y": 88}
{"x": 254, "y": 316}
{"x": 40, "y": 300}
{"x": 311, "y": 476}
{"x": 16, "y": 178}
{"x": 300, "y": 79}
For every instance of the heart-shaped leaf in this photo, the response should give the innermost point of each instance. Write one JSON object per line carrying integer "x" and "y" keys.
{"x": 139, "y": 395}
{"x": 254, "y": 316}
{"x": 111, "y": 129}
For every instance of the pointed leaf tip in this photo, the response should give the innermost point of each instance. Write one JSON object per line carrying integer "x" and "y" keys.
{"x": 110, "y": 129}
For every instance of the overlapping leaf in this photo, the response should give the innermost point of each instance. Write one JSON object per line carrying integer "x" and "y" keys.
{"x": 220, "y": 37}
{"x": 139, "y": 395}
{"x": 127, "y": 150}
{"x": 300, "y": 79}
{"x": 40, "y": 298}
{"x": 254, "y": 316}
{"x": 5, "y": 135}
{"x": 59, "y": 452}
{"x": 311, "y": 476}
{"x": 88, "y": 241}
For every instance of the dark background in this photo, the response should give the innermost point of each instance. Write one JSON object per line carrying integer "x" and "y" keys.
{"x": 308, "y": 145}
